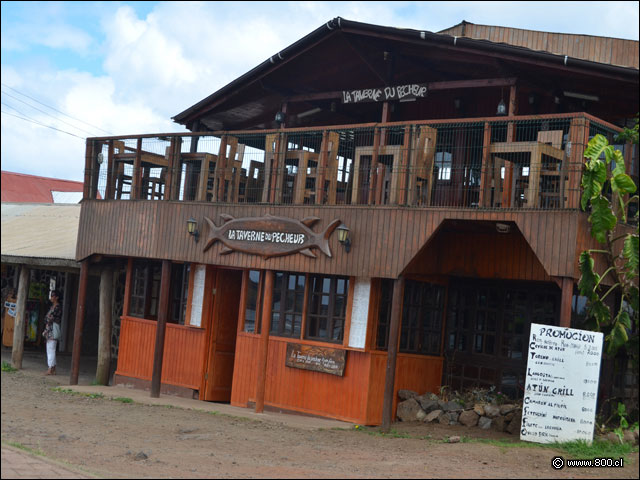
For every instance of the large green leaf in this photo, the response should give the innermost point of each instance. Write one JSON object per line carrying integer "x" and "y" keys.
{"x": 622, "y": 184}
{"x": 630, "y": 254}
{"x": 589, "y": 279}
{"x": 601, "y": 312}
{"x": 632, "y": 297}
{"x": 624, "y": 319}
{"x": 618, "y": 158}
{"x": 593, "y": 179}
{"x": 602, "y": 219}
{"x": 595, "y": 147}
{"x": 616, "y": 339}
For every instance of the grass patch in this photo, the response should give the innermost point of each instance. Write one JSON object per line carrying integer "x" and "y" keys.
{"x": 578, "y": 449}
{"x": 68, "y": 391}
{"x": 122, "y": 399}
{"x": 25, "y": 448}
{"x": 6, "y": 367}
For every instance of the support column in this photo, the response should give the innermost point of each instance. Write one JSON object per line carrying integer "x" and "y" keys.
{"x": 161, "y": 327}
{"x": 104, "y": 333}
{"x": 17, "y": 350}
{"x": 263, "y": 354}
{"x": 392, "y": 353}
{"x": 77, "y": 332}
{"x": 565, "y": 302}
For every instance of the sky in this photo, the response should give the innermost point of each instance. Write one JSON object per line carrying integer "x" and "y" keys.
{"x": 72, "y": 70}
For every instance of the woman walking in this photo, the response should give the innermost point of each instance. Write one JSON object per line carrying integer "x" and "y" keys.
{"x": 52, "y": 330}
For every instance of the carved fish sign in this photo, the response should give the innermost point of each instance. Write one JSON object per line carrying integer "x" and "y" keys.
{"x": 269, "y": 236}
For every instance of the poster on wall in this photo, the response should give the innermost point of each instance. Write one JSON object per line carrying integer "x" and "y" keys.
{"x": 561, "y": 389}
{"x": 360, "y": 313}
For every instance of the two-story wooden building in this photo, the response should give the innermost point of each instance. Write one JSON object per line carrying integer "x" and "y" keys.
{"x": 449, "y": 165}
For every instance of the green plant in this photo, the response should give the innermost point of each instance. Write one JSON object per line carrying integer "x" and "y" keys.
{"x": 604, "y": 171}
{"x": 6, "y": 367}
{"x": 123, "y": 399}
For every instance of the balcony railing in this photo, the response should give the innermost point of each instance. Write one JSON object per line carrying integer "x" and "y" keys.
{"x": 504, "y": 162}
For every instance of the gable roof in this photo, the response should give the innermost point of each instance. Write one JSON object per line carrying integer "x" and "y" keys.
{"x": 342, "y": 50}
{"x": 20, "y": 187}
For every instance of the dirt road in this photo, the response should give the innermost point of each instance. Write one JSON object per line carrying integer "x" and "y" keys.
{"x": 130, "y": 440}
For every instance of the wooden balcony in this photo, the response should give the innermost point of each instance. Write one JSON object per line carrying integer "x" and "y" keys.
{"x": 532, "y": 162}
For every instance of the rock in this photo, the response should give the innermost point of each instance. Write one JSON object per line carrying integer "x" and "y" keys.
{"x": 428, "y": 404}
{"x": 444, "y": 418}
{"x": 407, "y": 394}
{"x": 452, "y": 406}
{"x": 468, "y": 418}
{"x": 479, "y": 409}
{"x": 432, "y": 416}
{"x": 509, "y": 416}
{"x": 613, "y": 438}
{"x": 421, "y": 415}
{"x": 454, "y": 439}
{"x": 484, "y": 423}
{"x": 499, "y": 424}
{"x": 491, "y": 411}
{"x": 629, "y": 437}
{"x": 141, "y": 456}
{"x": 408, "y": 410}
{"x": 453, "y": 418}
{"x": 507, "y": 408}
{"x": 515, "y": 423}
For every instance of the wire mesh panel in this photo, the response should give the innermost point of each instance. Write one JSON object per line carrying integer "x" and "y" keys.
{"x": 492, "y": 164}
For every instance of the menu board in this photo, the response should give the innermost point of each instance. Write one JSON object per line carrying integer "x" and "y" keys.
{"x": 561, "y": 389}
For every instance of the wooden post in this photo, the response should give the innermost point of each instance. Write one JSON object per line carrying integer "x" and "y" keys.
{"x": 565, "y": 303}
{"x": 579, "y": 137}
{"x": 77, "y": 331}
{"x": 136, "y": 176}
{"x": 109, "y": 193}
{"x": 373, "y": 177}
{"x": 392, "y": 353}
{"x": 161, "y": 327}
{"x": 89, "y": 164}
{"x": 321, "y": 171}
{"x": 263, "y": 354}
{"x": 19, "y": 325}
{"x": 485, "y": 172}
{"x": 507, "y": 186}
{"x": 103, "y": 368}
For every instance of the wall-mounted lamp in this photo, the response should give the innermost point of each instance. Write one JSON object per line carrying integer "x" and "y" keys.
{"x": 503, "y": 227}
{"x": 192, "y": 228}
{"x": 280, "y": 118}
{"x": 100, "y": 158}
{"x": 344, "y": 237}
{"x": 502, "y": 108}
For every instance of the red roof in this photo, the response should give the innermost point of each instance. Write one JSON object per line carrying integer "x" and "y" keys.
{"x": 19, "y": 187}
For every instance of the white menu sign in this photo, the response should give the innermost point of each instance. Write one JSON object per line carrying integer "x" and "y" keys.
{"x": 561, "y": 389}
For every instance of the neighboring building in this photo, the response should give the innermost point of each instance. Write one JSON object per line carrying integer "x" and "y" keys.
{"x": 20, "y": 187}
{"x": 455, "y": 163}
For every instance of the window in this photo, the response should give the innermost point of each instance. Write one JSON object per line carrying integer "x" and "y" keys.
{"x": 422, "y": 309}
{"x": 288, "y": 304}
{"x": 253, "y": 308}
{"x": 327, "y": 308}
{"x": 145, "y": 290}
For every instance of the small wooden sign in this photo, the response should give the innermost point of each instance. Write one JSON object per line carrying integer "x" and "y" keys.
{"x": 270, "y": 236}
{"x": 402, "y": 93}
{"x": 317, "y": 359}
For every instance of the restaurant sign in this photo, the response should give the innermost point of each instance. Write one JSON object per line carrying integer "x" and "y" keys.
{"x": 403, "y": 93}
{"x": 269, "y": 236}
{"x": 317, "y": 359}
{"x": 561, "y": 388}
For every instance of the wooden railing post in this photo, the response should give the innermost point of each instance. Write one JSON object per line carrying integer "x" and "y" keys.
{"x": 392, "y": 353}
{"x": 263, "y": 354}
{"x": 89, "y": 166}
{"x": 374, "y": 174}
{"x": 77, "y": 331}
{"x": 163, "y": 315}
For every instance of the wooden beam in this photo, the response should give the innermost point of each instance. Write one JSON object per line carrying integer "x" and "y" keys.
{"x": 103, "y": 368}
{"x": 263, "y": 354}
{"x": 161, "y": 327}
{"x": 77, "y": 331}
{"x": 565, "y": 303}
{"x": 392, "y": 353}
{"x": 17, "y": 350}
{"x": 480, "y": 83}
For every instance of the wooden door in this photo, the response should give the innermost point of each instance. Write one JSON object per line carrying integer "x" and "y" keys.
{"x": 222, "y": 333}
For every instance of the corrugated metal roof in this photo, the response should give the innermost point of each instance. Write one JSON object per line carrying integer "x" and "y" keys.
{"x": 40, "y": 230}
{"x": 20, "y": 187}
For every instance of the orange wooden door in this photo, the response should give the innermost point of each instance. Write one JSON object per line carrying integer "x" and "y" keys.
{"x": 222, "y": 336}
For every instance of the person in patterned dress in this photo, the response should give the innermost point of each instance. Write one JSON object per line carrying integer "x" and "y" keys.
{"x": 52, "y": 330}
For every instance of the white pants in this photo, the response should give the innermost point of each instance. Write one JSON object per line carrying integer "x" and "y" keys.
{"x": 51, "y": 353}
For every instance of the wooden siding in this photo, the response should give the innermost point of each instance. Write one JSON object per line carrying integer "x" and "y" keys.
{"x": 613, "y": 51}
{"x": 183, "y": 352}
{"x": 149, "y": 229}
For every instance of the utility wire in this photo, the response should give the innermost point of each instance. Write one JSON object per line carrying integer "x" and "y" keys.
{"x": 42, "y": 124}
{"x": 47, "y": 113}
{"x": 52, "y": 108}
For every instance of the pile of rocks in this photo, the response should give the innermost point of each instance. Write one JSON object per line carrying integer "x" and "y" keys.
{"x": 431, "y": 408}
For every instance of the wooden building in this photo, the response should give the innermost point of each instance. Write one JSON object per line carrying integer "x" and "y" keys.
{"x": 453, "y": 161}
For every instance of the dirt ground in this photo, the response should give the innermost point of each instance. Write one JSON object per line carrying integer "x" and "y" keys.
{"x": 112, "y": 439}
